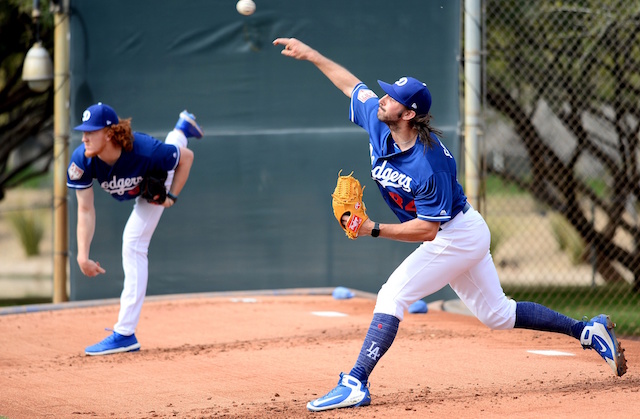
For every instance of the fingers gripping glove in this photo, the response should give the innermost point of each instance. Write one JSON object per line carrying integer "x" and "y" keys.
{"x": 347, "y": 199}
{"x": 152, "y": 188}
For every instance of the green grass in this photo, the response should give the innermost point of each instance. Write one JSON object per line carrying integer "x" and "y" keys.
{"x": 9, "y": 302}
{"x": 599, "y": 187}
{"x": 498, "y": 235}
{"x": 37, "y": 182}
{"x": 618, "y": 301}
{"x": 567, "y": 238}
{"x": 29, "y": 228}
{"x": 494, "y": 185}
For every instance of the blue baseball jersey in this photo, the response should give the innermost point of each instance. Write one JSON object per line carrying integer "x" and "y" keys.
{"x": 123, "y": 178}
{"x": 420, "y": 182}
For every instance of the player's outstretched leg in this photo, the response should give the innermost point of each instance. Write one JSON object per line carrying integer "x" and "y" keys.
{"x": 188, "y": 125}
{"x": 113, "y": 344}
{"x": 350, "y": 392}
{"x": 598, "y": 334}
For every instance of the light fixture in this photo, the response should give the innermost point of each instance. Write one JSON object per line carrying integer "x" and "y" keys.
{"x": 37, "y": 70}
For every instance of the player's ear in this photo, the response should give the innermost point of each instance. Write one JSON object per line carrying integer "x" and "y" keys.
{"x": 408, "y": 114}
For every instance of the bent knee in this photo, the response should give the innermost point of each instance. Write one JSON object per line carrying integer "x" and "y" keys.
{"x": 386, "y": 304}
{"x": 132, "y": 249}
{"x": 501, "y": 319}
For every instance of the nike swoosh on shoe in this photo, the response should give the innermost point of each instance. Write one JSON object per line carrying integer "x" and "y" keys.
{"x": 318, "y": 401}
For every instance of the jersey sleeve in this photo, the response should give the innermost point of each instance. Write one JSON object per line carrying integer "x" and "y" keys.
{"x": 79, "y": 172}
{"x": 435, "y": 201}
{"x": 364, "y": 112}
{"x": 166, "y": 157}
{"x": 363, "y": 102}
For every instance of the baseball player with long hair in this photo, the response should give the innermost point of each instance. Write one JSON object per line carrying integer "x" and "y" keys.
{"x": 120, "y": 159}
{"x": 417, "y": 178}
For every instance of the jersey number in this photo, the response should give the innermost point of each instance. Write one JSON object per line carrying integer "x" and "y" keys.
{"x": 411, "y": 206}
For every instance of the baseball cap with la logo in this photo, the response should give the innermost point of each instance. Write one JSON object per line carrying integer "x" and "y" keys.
{"x": 412, "y": 93}
{"x": 96, "y": 117}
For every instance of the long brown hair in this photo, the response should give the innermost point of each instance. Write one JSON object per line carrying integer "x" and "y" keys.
{"x": 422, "y": 123}
{"x": 121, "y": 134}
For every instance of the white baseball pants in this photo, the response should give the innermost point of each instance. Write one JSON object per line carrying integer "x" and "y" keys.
{"x": 458, "y": 256}
{"x": 135, "y": 247}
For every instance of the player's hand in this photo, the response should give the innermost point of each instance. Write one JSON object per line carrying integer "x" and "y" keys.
{"x": 344, "y": 220}
{"x": 366, "y": 228}
{"x": 168, "y": 202}
{"x": 155, "y": 200}
{"x": 90, "y": 268}
{"x": 294, "y": 48}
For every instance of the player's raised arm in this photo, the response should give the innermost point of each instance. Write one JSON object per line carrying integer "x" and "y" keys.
{"x": 342, "y": 78}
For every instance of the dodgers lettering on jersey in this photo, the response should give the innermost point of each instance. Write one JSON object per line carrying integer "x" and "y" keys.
{"x": 420, "y": 182}
{"x": 123, "y": 178}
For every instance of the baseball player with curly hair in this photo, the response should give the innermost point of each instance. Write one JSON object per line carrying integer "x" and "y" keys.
{"x": 417, "y": 178}
{"x": 120, "y": 160}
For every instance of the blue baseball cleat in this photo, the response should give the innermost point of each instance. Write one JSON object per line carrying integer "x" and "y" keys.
{"x": 187, "y": 124}
{"x": 114, "y": 343}
{"x": 350, "y": 392}
{"x": 598, "y": 334}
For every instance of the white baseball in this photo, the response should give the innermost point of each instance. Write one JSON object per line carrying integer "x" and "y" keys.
{"x": 246, "y": 7}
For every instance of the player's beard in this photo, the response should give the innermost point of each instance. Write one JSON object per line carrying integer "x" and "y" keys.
{"x": 390, "y": 120}
{"x": 94, "y": 153}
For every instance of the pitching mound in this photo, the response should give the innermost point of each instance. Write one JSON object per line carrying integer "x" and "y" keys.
{"x": 266, "y": 356}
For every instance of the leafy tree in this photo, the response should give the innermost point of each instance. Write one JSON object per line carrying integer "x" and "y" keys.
{"x": 579, "y": 60}
{"x": 24, "y": 115}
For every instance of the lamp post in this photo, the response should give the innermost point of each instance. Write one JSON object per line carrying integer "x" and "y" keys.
{"x": 472, "y": 98}
{"x": 61, "y": 128}
{"x": 38, "y": 73}
{"x": 37, "y": 70}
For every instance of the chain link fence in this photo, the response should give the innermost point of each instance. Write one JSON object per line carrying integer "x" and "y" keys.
{"x": 561, "y": 153}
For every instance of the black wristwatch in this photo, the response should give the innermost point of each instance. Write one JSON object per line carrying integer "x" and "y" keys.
{"x": 376, "y": 230}
{"x": 173, "y": 197}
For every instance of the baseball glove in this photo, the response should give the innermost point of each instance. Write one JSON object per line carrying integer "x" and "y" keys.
{"x": 347, "y": 199}
{"x": 152, "y": 188}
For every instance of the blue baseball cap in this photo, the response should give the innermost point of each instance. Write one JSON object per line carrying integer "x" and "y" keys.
{"x": 412, "y": 93}
{"x": 97, "y": 116}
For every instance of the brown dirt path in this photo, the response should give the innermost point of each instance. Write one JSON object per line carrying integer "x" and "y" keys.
{"x": 266, "y": 356}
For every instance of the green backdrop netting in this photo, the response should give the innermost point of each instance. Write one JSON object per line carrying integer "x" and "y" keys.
{"x": 256, "y": 212}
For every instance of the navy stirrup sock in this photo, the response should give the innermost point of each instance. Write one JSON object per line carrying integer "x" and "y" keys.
{"x": 538, "y": 317}
{"x": 382, "y": 332}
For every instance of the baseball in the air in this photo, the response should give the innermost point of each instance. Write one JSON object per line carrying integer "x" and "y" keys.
{"x": 246, "y": 7}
